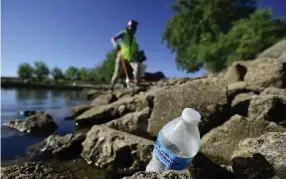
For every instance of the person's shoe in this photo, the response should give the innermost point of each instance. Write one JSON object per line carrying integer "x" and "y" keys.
{"x": 127, "y": 81}
{"x": 135, "y": 81}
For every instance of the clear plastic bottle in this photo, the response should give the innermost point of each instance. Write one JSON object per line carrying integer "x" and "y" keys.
{"x": 177, "y": 143}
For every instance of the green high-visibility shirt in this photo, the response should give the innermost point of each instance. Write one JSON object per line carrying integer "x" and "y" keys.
{"x": 128, "y": 46}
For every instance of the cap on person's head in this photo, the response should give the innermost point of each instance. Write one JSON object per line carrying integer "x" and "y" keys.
{"x": 132, "y": 23}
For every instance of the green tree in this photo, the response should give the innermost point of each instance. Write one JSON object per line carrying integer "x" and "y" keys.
{"x": 103, "y": 72}
{"x": 25, "y": 71}
{"x": 108, "y": 65}
{"x": 72, "y": 73}
{"x": 199, "y": 22}
{"x": 41, "y": 70}
{"x": 96, "y": 74}
{"x": 256, "y": 34}
{"x": 247, "y": 38}
{"x": 106, "y": 69}
{"x": 57, "y": 73}
{"x": 83, "y": 74}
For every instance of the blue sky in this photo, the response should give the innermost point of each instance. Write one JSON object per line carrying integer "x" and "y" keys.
{"x": 77, "y": 32}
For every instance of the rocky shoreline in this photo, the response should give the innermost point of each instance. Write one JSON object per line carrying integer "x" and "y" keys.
{"x": 243, "y": 126}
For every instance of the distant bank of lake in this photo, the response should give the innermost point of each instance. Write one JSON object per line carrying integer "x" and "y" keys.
{"x": 13, "y": 100}
{"x": 14, "y": 82}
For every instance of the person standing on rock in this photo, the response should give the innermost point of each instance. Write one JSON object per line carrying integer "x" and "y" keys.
{"x": 126, "y": 50}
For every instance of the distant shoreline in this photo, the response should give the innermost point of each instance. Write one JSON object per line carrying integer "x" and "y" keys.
{"x": 14, "y": 82}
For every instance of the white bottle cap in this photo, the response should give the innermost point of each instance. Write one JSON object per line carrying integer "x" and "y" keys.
{"x": 190, "y": 115}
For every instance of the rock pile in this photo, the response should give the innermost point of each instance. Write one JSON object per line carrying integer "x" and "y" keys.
{"x": 242, "y": 128}
{"x": 39, "y": 124}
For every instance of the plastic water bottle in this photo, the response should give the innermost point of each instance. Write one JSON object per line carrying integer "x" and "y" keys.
{"x": 177, "y": 143}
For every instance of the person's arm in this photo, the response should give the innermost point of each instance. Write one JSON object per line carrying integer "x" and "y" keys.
{"x": 115, "y": 38}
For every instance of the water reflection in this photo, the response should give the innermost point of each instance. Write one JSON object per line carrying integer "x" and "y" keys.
{"x": 56, "y": 102}
{"x": 56, "y": 93}
{"x": 17, "y": 146}
{"x": 39, "y": 94}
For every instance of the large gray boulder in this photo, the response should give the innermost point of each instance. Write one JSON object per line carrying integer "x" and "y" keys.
{"x": 240, "y": 103}
{"x": 220, "y": 74}
{"x": 106, "y": 113}
{"x": 106, "y": 147}
{"x": 208, "y": 96}
{"x": 268, "y": 107}
{"x": 274, "y": 91}
{"x": 104, "y": 99}
{"x": 78, "y": 110}
{"x": 277, "y": 50}
{"x": 202, "y": 167}
{"x": 236, "y": 71}
{"x": 134, "y": 123}
{"x": 267, "y": 72}
{"x": 41, "y": 124}
{"x": 61, "y": 146}
{"x": 283, "y": 57}
{"x": 93, "y": 94}
{"x": 254, "y": 167}
{"x": 242, "y": 87}
{"x": 220, "y": 142}
{"x": 129, "y": 92}
{"x": 174, "y": 81}
{"x": 271, "y": 145}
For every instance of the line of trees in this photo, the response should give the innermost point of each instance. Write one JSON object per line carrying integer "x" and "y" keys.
{"x": 202, "y": 33}
{"x": 101, "y": 73}
{"x": 214, "y": 34}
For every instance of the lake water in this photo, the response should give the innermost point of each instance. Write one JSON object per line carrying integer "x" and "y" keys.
{"x": 56, "y": 102}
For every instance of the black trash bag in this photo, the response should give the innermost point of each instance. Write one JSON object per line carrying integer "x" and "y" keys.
{"x": 139, "y": 56}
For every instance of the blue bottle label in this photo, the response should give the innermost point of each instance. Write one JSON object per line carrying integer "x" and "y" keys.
{"x": 168, "y": 158}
